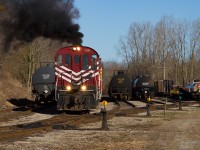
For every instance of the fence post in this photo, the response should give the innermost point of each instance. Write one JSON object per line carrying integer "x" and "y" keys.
{"x": 180, "y": 101}
{"x": 104, "y": 120}
{"x": 165, "y": 107}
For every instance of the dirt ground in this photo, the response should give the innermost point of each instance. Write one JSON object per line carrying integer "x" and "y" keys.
{"x": 178, "y": 130}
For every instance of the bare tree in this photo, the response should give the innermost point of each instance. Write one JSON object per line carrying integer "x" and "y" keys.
{"x": 163, "y": 42}
{"x": 35, "y": 50}
{"x": 136, "y": 48}
{"x": 23, "y": 60}
{"x": 108, "y": 70}
{"x": 179, "y": 45}
{"x": 168, "y": 50}
{"x": 194, "y": 48}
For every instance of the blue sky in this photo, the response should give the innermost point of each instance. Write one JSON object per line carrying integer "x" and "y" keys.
{"x": 103, "y": 21}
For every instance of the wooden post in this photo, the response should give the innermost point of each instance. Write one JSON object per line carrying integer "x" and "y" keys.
{"x": 180, "y": 101}
{"x": 104, "y": 121}
{"x": 148, "y": 109}
{"x": 165, "y": 107}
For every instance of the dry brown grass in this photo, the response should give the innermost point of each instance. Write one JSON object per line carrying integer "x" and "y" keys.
{"x": 11, "y": 88}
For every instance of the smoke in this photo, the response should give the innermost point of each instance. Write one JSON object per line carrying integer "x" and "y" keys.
{"x": 28, "y": 19}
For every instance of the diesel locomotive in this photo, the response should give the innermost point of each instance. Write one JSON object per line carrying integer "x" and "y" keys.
{"x": 78, "y": 78}
{"x": 192, "y": 90}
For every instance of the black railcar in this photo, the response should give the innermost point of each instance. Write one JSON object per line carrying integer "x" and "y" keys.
{"x": 43, "y": 84}
{"x": 120, "y": 87}
{"x": 142, "y": 87}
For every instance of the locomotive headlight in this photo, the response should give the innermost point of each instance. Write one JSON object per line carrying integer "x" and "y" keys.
{"x": 78, "y": 48}
{"x": 68, "y": 88}
{"x": 83, "y": 88}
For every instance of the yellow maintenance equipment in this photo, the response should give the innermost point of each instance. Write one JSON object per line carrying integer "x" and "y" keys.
{"x": 104, "y": 103}
{"x": 149, "y": 99}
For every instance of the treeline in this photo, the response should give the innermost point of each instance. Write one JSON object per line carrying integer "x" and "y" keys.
{"x": 24, "y": 58}
{"x": 170, "y": 49}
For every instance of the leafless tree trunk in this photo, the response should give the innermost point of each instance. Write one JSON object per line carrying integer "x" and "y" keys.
{"x": 136, "y": 49}
{"x": 36, "y": 50}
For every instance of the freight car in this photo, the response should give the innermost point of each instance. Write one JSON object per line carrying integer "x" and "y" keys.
{"x": 162, "y": 87}
{"x": 120, "y": 86}
{"x": 142, "y": 87}
{"x": 43, "y": 84}
{"x": 78, "y": 78}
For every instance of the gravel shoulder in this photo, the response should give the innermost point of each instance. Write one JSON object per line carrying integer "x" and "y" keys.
{"x": 177, "y": 130}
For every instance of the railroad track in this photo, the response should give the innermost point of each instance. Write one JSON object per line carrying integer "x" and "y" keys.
{"x": 123, "y": 104}
{"x": 60, "y": 121}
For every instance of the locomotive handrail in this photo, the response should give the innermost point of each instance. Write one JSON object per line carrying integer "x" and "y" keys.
{"x": 56, "y": 87}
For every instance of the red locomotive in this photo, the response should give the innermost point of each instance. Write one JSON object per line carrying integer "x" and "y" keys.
{"x": 78, "y": 78}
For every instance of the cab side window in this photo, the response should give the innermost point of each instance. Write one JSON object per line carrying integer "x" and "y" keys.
{"x": 94, "y": 65}
{"x": 76, "y": 59}
{"x": 85, "y": 61}
{"x": 59, "y": 60}
{"x": 68, "y": 60}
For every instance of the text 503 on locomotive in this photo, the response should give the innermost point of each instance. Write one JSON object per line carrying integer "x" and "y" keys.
{"x": 78, "y": 78}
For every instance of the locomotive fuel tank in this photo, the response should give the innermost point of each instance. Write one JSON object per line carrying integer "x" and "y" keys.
{"x": 43, "y": 83}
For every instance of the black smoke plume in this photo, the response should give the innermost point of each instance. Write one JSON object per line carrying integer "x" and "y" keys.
{"x": 28, "y": 19}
